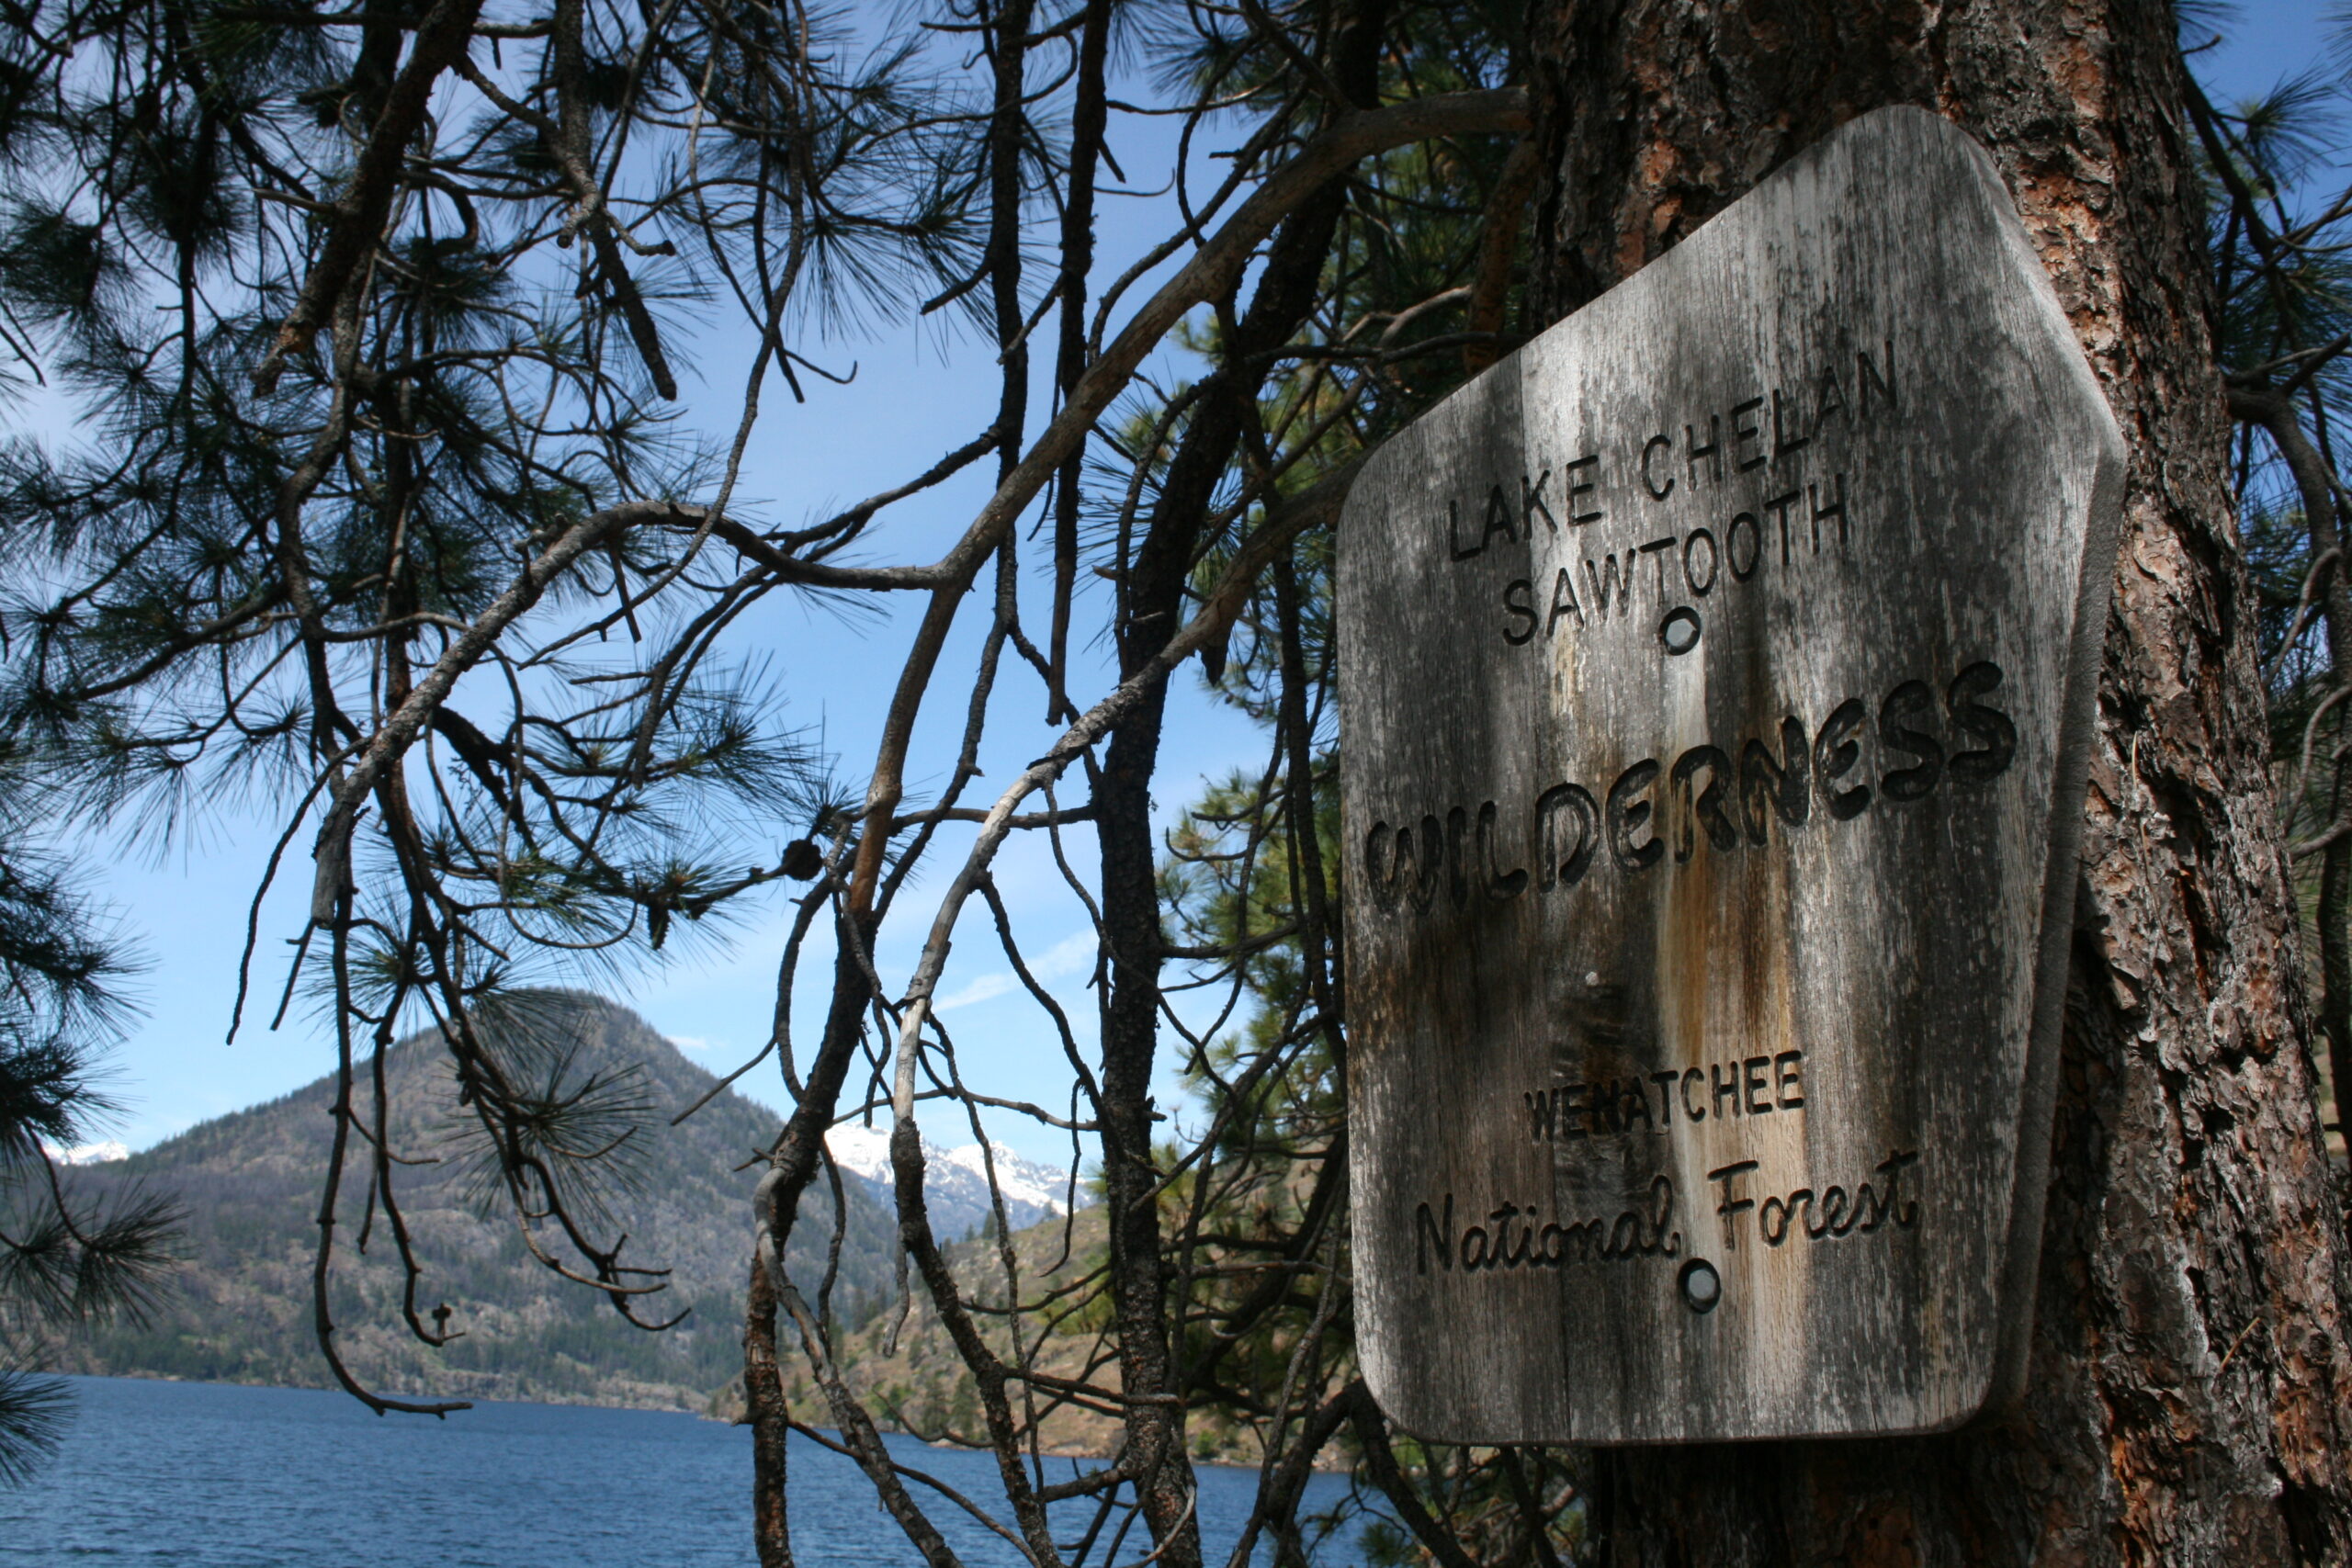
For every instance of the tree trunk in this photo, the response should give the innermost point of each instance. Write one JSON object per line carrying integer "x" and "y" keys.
{"x": 1153, "y": 599}
{"x": 2190, "y": 1372}
{"x": 769, "y": 1418}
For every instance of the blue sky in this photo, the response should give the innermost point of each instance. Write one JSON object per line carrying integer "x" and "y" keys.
{"x": 918, "y": 392}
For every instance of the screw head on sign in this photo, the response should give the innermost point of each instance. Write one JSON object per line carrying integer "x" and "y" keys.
{"x": 1702, "y": 1286}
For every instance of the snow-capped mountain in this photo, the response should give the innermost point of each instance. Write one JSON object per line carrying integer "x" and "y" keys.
{"x": 955, "y": 1180}
{"x": 88, "y": 1154}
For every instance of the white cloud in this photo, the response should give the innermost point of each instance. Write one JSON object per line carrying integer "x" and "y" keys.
{"x": 694, "y": 1042}
{"x": 1073, "y": 955}
{"x": 986, "y": 988}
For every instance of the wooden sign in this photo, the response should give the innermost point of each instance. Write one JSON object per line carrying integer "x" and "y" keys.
{"x": 1715, "y": 682}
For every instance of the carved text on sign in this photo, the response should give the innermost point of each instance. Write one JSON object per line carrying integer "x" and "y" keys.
{"x": 1778, "y": 514}
{"x": 1704, "y": 797}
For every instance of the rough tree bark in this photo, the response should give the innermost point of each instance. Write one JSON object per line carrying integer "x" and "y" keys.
{"x": 2190, "y": 1375}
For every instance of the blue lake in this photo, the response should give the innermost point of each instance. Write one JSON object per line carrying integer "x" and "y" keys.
{"x": 211, "y": 1475}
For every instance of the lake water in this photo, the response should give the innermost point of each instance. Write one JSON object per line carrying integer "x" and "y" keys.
{"x": 209, "y": 1475}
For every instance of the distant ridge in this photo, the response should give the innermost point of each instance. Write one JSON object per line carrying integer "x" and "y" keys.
{"x": 250, "y": 1181}
{"x": 88, "y": 1154}
{"x": 955, "y": 1180}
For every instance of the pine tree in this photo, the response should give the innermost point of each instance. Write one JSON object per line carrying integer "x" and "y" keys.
{"x": 64, "y": 1262}
{"x": 2189, "y": 1373}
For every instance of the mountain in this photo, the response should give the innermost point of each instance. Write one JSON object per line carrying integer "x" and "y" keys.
{"x": 955, "y": 1180}
{"x": 251, "y": 1181}
{"x": 88, "y": 1154}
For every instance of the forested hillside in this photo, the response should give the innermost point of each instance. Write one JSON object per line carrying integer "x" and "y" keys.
{"x": 241, "y": 1311}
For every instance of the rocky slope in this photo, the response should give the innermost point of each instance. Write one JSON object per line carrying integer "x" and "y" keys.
{"x": 906, "y": 1369}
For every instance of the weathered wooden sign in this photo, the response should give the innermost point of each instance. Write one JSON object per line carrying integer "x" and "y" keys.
{"x": 1715, "y": 678}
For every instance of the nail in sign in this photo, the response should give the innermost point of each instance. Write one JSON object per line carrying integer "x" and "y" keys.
{"x": 1715, "y": 681}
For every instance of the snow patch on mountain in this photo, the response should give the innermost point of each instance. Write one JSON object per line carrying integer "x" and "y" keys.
{"x": 956, "y": 1183}
{"x": 88, "y": 1154}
